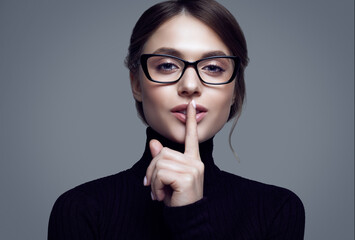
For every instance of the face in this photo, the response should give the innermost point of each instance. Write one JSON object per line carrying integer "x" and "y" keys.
{"x": 188, "y": 38}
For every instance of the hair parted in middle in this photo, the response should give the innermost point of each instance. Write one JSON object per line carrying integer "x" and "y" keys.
{"x": 211, "y": 13}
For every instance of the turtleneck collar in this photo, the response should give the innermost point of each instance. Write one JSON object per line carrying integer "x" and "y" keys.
{"x": 205, "y": 148}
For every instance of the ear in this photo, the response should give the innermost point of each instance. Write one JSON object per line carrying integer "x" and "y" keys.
{"x": 233, "y": 100}
{"x": 136, "y": 87}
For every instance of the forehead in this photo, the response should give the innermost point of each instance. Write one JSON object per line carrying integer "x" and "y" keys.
{"x": 187, "y": 35}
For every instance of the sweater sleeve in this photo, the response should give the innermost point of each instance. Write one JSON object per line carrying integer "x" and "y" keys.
{"x": 190, "y": 222}
{"x": 74, "y": 216}
{"x": 289, "y": 221}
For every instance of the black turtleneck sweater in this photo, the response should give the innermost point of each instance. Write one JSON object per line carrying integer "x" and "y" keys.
{"x": 120, "y": 207}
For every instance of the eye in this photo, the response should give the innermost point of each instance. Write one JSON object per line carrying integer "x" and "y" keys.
{"x": 166, "y": 67}
{"x": 213, "y": 69}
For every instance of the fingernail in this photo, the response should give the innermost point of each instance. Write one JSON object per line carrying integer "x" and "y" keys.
{"x": 145, "y": 181}
{"x": 193, "y": 103}
{"x": 152, "y": 195}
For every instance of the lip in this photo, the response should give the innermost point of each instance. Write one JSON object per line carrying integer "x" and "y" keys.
{"x": 180, "y": 112}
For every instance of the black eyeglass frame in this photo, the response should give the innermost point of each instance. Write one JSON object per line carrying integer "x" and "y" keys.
{"x": 144, "y": 59}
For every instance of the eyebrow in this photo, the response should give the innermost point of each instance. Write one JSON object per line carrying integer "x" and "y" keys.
{"x": 168, "y": 51}
{"x": 176, "y": 53}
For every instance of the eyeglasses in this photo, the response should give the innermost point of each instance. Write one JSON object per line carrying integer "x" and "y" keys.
{"x": 216, "y": 70}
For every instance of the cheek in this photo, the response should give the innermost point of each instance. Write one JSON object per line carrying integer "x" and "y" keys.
{"x": 224, "y": 99}
{"x": 223, "y": 106}
{"x": 154, "y": 99}
{"x": 220, "y": 103}
{"x": 149, "y": 101}
{"x": 153, "y": 94}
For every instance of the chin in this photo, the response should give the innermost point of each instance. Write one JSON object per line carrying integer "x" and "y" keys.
{"x": 178, "y": 135}
{"x": 176, "y": 132}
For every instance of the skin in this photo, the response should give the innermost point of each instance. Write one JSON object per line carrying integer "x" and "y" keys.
{"x": 177, "y": 178}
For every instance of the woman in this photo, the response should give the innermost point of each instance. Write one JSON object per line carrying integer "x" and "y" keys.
{"x": 186, "y": 62}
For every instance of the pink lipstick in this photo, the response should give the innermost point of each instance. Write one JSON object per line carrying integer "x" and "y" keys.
{"x": 180, "y": 112}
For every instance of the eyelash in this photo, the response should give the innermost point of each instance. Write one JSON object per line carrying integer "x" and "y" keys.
{"x": 166, "y": 66}
{"x": 219, "y": 69}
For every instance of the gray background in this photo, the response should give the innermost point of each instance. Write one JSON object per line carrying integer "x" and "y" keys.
{"x": 67, "y": 115}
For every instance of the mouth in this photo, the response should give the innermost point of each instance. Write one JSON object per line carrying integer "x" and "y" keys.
{"x": 180, "y": 112}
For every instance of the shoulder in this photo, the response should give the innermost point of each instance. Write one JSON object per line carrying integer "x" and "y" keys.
{"x": 91, "y": 194}
{"x": 267, "y": 196}
{"x": 79, "y": 210}
{"x": 282, "y": 209}
{"x": 257, "y": 189}
{"x": 83, "y": 206}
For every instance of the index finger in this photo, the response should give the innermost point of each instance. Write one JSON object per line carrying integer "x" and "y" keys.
{"x": 191, "y": 137}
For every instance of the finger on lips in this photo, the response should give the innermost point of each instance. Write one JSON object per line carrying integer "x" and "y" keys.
{"x": 191, "y": 138}
{"x": 167, "y": 165}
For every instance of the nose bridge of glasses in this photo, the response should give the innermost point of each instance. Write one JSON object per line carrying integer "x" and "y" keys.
{"x": 192, "y": 65}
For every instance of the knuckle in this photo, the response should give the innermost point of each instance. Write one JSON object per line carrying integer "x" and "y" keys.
{"x": 164, "y": 151}
{"x": 201, "y": 167}
{"x": 159, "y": 165}
{"x": 195, "y": 171}
{"x": 189, "y": 179}
{"x": 198, "y": 169}
{"x": 160, "y": 173}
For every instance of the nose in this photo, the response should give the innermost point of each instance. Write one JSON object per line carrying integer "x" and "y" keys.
{"x": 189, "y": 85}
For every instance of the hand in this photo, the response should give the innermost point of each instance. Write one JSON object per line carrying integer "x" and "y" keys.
{"x": 177, "y": 178}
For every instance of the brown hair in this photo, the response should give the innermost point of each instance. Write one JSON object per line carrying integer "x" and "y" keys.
{"x": 214, "y": 15}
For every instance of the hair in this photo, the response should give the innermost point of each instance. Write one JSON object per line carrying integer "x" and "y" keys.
{"x": 211, "y": 13}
